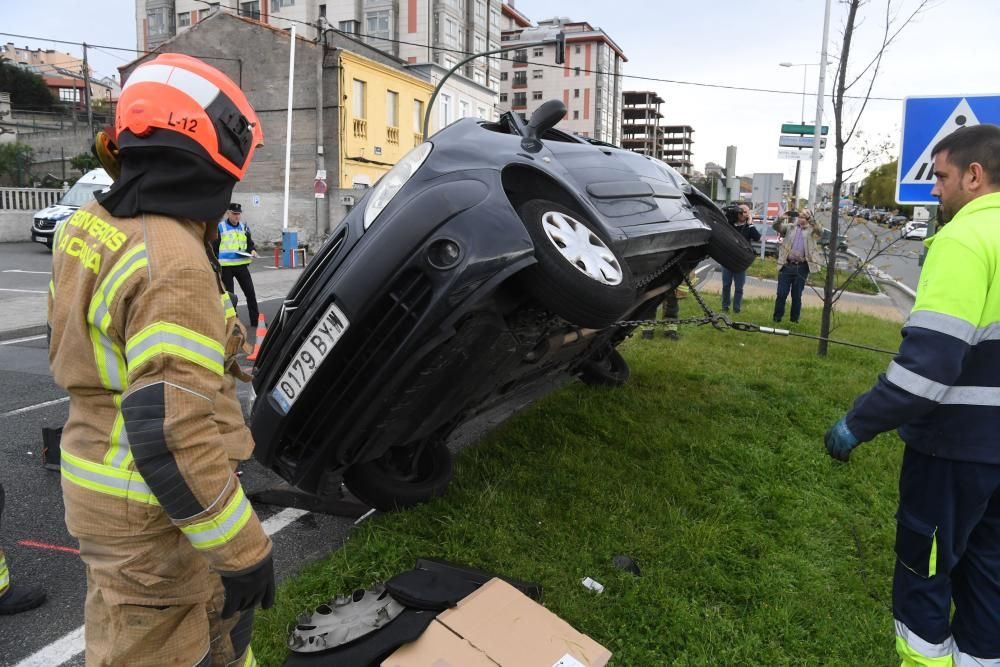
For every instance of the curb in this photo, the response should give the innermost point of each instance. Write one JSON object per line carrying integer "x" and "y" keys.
{"x": 881, "y": 276}
{"x": 23, "y": 332}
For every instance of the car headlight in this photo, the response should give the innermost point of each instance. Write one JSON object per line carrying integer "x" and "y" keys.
{"x": 392, "y": 182}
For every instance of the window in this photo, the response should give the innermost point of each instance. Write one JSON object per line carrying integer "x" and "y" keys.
{"x": 577, "y": 71}
{"x": 449, "y": 63}
{"x": 322, "y": 11}
{"x": 503, "y": 97}
{"x": 160, "y": 21}
{"x": 250, "y": 9}
{"x": 577, "y": 49}
{"x": 576, "y": 92}
{"x": 480, "y": 9}
{"x": 503, "y": 76}
{"x": 479, "y": 78}
{"x": 520, "y": 99}
{"x": 450, "y": 29}
{"x": 479, "y": 43}
{"x": 359, "y": 98}
{"x": 418, "y": 115}
{"x": 463, "y": 109}
{"x": 392, "y": 108}
{"x": 349, "y": 26}
{"x": 536, "y": 74}
{"x": 576, "y": 115}
{"x": 481, "y": 112}
{"x": 445, "y": 109}
{"x": 538, "y": 53}
{"x": 494, "y": 84}
{"x": 521, "y": 56}
{"x": 377, "y": 24}
{"x": 69, "y": 94}
{"x": 184, "y": 19}
{"x": 536, "y": 95}
{"x": 521, "y": 78}
{"x": 495, "y": 19}
{"x": 276, "y": 5}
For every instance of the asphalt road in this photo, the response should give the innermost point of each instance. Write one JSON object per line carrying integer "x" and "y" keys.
{"x": 39, "y": 549}
{"x": 24, "y": 270}
{"x": 899, "y": 259}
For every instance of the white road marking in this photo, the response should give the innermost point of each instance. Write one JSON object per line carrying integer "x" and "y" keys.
{"x": 38, "y": 406}
{"x": 15, "y": 341}
{"x": 24, "y": 291}
{"x": 45, "y": 273}
{"x": 68, "y": 647}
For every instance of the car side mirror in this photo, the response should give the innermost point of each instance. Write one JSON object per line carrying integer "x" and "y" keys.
{"x": 544, "y": 118}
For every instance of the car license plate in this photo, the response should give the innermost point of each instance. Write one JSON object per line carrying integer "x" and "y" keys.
{"x": 310, "y": 355}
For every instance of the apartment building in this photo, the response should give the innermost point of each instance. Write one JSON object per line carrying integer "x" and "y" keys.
{"x": 641, "y": 118}
{"x": 429, "y": 35}
{"x": 588, "y": 82}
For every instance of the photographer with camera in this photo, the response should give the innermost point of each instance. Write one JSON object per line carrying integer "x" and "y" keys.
{"x": 738, "y": 216}
{"x": 798, "y": 256}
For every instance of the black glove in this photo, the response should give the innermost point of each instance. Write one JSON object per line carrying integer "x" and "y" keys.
{"x": 246, "y": 591}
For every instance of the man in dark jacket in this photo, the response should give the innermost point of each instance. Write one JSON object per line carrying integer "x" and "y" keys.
{"x": 738, "y": 278}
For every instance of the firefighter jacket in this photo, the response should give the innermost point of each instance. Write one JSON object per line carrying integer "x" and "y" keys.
{"x": 234, "y": 240}
{"x": 942, "y": 390}
{"x": 139, "y": 340}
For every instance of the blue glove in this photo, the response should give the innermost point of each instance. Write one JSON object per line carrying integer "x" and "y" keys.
{"x": 840, "y": 441}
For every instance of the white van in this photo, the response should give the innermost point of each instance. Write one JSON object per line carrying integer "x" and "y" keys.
{"x": 43, "y": 227}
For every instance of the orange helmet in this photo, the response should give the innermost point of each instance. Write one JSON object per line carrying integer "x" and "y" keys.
{"x": 183, "y": 95}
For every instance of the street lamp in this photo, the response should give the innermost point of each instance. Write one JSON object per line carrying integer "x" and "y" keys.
{"x": 805, "y": 70}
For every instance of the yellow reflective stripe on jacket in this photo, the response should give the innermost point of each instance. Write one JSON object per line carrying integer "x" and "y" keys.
{"x": 223, "y": 527}
{"x": 227, "y": 306}
{"x": 52, "y": 287}
{"x": 119, "y": 455}
{"x": 249, "y": 660}
{"x": 127, "y": 484}
{"x": 4, "y": 574}
{"x": 108, "y": 355}
{"x": 166, "y": 338}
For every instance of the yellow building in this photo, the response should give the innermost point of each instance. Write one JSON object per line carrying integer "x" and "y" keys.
{"x": 381, "y": 118}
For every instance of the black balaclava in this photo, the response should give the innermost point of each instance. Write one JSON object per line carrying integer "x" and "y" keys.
{"x": 165, "y": 173}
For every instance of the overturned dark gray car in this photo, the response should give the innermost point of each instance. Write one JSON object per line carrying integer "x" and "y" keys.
{"x": 492, "y": 260}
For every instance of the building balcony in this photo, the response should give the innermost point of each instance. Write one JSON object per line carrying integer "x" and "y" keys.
{"x": 519, "y": 107}
{"x": 516, "y": 85}
{"x": 417, "y": 139}
{"x": 392, "y": 135}
{"x": 360, "y": 128}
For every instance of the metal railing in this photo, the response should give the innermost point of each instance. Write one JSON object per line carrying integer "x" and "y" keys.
{"x": 28, "y": 199}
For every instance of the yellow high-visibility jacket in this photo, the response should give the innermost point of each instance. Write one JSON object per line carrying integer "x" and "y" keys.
{"x": 141, "y": 340}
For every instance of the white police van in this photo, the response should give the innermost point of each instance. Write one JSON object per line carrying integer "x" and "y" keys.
{"x": 43, "y": 227}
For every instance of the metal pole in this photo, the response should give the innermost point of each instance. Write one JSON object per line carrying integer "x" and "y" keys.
{"x": 322, "y": 205}
{"x": 820, "y": 99}
{"x": 86, "y": 92}
{"x": 288, "y": 130}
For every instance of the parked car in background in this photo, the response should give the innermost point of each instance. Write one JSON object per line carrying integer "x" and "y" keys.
{"x": 489, "y": 265}
{"x": 897, "y": 221}
{"x": 915, "y": 230}
{"x": 824, "y": 240}
{"x": 771, "y": 238}
{"x": 43, "y": 226}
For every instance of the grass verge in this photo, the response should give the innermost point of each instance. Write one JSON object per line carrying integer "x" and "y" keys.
{"x": 708, "y": 469}
{"x": 860, "y": 284}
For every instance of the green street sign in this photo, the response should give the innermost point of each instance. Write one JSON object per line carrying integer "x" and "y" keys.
{"x": 792, "y": 128}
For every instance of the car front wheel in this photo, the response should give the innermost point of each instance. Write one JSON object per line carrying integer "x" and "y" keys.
{"x": 577, "y": 276}
{"x": 402, "y": 477}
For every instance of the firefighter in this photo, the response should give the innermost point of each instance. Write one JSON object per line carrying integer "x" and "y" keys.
{"x": 15, "y": 599}
{"x": 235, "y": 249}
{"x": 942, "y": 391}
{"x": 144, "y": 339}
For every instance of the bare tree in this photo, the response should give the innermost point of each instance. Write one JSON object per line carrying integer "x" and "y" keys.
{"x": 892, "y": 27}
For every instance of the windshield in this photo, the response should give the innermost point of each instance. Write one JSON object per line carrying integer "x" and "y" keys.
{"x": 80, "y": 194}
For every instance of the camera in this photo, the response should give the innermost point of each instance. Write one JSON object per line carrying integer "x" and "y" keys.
{"x": 732, "y": 212}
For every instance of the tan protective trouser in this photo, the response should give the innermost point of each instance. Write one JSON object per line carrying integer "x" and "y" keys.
{"x": 153, "y": 600}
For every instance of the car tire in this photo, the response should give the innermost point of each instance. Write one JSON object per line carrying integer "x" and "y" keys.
{"x": 384, "y": 484}
{"x": 726, "y": 246}
{"x": 577, "y": 275}
{"x": 609, "y": 370}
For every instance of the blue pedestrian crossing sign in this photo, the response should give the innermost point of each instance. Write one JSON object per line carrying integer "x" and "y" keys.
{"x": 926, "y": 121}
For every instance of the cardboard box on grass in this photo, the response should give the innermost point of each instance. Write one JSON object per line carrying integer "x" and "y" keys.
{"x": 499, "y": 625}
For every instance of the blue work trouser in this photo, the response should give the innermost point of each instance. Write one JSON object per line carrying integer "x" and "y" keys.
{"x": 947, "y": 548}
{"x": 733, "y": 279}
{"x": 791, "y": 277}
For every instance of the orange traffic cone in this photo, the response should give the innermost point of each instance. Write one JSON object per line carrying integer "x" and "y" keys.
{"x": 259, "y": 336}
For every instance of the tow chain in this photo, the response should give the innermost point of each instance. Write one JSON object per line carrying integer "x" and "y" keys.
{"x": 721, "y": 321}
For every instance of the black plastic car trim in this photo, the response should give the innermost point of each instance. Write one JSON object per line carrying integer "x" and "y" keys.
{"x": 619, "y": 189}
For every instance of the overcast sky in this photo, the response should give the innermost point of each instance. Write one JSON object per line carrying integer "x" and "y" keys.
{"x": 951, "y": 49}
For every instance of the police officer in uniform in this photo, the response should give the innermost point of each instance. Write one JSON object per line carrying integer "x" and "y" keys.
{"x": 942, "y": 391}
{"x": 236, "y": 249}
